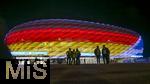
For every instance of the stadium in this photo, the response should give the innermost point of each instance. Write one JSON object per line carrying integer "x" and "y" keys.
{"x": 52, "y": 37}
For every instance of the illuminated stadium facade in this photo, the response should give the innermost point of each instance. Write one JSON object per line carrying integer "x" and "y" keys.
{"x": 53, "y": 37}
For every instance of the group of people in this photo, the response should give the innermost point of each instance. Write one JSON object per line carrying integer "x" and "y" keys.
{"x": 105, "y": 53}
{"x": 73, "y": 56}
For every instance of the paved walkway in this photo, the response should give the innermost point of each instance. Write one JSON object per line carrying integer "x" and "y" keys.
{"x": 100, "y": 74}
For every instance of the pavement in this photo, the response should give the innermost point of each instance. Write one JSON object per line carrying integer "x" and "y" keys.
{"x": 100, "y": 74}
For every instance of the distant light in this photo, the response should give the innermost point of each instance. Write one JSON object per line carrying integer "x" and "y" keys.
{"x": 136, "y": 56}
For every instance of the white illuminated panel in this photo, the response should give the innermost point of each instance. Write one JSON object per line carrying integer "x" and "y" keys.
{"x": 41, "y": 58}
{"x": 28, "y": 53}
{"x": 25, "y": 57}
{"x": 87, "y": 54}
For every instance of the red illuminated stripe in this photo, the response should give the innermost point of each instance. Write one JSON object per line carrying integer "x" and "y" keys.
{"x": 69, "y": 34}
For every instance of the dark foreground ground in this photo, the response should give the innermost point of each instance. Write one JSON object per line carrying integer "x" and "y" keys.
{"x": 100, "y": 74}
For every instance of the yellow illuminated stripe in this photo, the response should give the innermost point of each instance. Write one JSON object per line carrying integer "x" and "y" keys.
{"x": 57, "y": 48}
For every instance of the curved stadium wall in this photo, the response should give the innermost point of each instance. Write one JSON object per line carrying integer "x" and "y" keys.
{"x": 53, "y": 37}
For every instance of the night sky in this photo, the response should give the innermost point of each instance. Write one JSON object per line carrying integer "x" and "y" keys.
{"x": 132, "y": 14}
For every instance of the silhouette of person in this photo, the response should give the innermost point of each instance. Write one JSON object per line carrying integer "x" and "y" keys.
{"x": 78, "y": 54}
{"x": 84, "y": 61}
{"x": 73, "y": 56}
{"x": 97, "y": 53}
{"x": 105, "y": 54}
{"x": 69, "y": 55}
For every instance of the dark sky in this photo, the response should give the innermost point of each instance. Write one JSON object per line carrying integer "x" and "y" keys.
{"x": 132, "y": 14}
